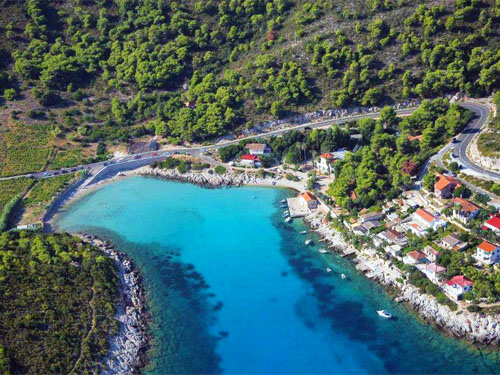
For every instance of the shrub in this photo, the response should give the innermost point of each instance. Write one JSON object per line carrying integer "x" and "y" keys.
{"x": 10, "y": 94}
{"x": 474, "y": 308}
{"x": 220, "y": 169}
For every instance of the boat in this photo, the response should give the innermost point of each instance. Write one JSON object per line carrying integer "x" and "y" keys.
{"x": 343, "y": 276}
{"x": 303, "y": 232}
{"x": 283, "y": 201}
{"x": 288, "y": 219}
{"x": 284, "y": 205}
{"x": 328, "y": 269}
{"x": 384, "y": 314}
{"x": 323, "y": 251}
{"x": 308, "y": 241}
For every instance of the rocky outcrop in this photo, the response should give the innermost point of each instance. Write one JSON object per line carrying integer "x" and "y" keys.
{"x": 128, "y": 348}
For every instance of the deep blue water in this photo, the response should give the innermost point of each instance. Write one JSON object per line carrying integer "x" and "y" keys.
{"x": 233, "y": 289}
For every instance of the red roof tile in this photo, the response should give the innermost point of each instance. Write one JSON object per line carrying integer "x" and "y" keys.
{"x": 460, "y": 280}
{"x": 494, "y": 222}
{"x": 249, "y": 157}
{"x": 487, "y": 246}
{"x": 427, "y": 216}
{"x": 308, "y": 196}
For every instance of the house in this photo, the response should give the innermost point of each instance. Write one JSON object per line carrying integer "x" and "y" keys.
{"x": 452, "y": 242}
{"x": 488, "y": 253}
{"x": 434, "y": 271}
{"x": 424, "y": 220}
{"x": 392, "y": 236}
{"x": 371, "y": 216}
{"x": 464, "y": 210}
{"x": 371, "y": 224}
{"x": 457, "y": 286}
{"x": 394, "y": 250}
{"x": 189, "y": 104}
{"x": 325, "y": 163}
{"x": 493, "y": 224}
{"x": 310, "y": 200}
{"x": 414, "y": 257}
{"x": 249, "y": 160}
{"x": 430, "y": 253}
{"x": 359, "y": 229}
{"x": 138, "y": 147}
{"x": 445, "y": 186}
{"x": 412, "y": 138}
{"x": 258, "y": 148}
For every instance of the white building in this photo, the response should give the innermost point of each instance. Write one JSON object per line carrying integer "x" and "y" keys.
{"x": 434, "y": 271}
{"x": 415, "y": 257}
{"x": 258, "y": 148}
{"x": 488, "y": 253}
{"x": 457, "y": 286}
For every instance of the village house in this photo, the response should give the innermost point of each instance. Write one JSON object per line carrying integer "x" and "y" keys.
{"x": 359, "y": 230}
{"x": 423, "y": 221}
{"x": 445, "y": 186}
{"x": 394, "y": 250}
{"x": 325, "y": 163}
{"x": 464, "y": 210}
{"x": 452, "y": 242}
{"x": 258, "y": 148}
{"x": 457, "y": 286}
{"x": 371, "y": 216}
{"x": 310, "y": 200}
{"x": 415, "y": 257}
{"x": 488, "y": 253}
{"x": 430, "y": 253}
{"x": 493, "y": 224}
{"x": 434, "y": 271}
{"x": 390, "y": 236}
{"x": 249, "y": 160}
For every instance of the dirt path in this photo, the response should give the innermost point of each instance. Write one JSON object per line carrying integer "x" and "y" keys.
{"x": 92, "y": 327}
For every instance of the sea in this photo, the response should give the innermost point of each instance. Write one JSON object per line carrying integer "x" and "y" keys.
{"x": 233, "y": 289}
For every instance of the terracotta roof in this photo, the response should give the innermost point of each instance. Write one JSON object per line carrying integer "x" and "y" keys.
{"x": 415, "y": 137}
{"x": 466, "y": 205}
{"x": 427, "y": 216}
{"x": 249, "y": 157}
{"x": 352, "y": 220}
{"x": 444, "y": 181}
{"x": 437, "y": 268}
{"x": 460, "y": 280}
{"x": 327, "y": 156}
{"x": 353, "y": 195}
{"x": 308, "y": 196}
{"x": 415, "y": 254}
{"x": 487, "y": 246}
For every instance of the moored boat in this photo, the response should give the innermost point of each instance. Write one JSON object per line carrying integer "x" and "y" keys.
{"x": 288, "y": 219}
{"x": 303, "y": 232}
{"x": 343, "y": 276}
{"x": 323, "y": 251}
{"x": 328, "y": 269}
{"x": 308, "y": 241}
{"x": 384, "y": 314}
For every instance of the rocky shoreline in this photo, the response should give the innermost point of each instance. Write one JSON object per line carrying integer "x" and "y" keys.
{"x": 129, "y": 347}
{"x": 476, "y": 328}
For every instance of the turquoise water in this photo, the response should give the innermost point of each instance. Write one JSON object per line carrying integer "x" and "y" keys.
{"x": 233, "y": 289}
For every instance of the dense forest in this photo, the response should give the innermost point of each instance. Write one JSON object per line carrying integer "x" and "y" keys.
{"x": 102, "y": 70}
{"x": 57, "y": 297}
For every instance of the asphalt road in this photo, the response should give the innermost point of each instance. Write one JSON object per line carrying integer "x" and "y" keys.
{"x": 481, "y": 111}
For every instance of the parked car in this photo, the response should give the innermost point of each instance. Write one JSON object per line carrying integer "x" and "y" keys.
{"x": 137, "y": 157}
{"x": 453, "y": 155}
{"x": 155, "y": 154}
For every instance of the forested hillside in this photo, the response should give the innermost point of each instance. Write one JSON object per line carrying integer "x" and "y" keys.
{"x": 103, "y": 70}
{"x": 57, "y": 299}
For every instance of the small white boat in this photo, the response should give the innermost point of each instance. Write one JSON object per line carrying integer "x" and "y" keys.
{"x": 343, "y": 276}
{"x": 323, "y": 251}
{"x": 286, "y": 213}
{"x": 328, "y": 269}
{"x": 303, "y": 232}
{"x": 284, "y": 205}
{"x": 384, "y": 314}
{"x": 308, "y": 241}
{"x": 288, "y": 219}
{"x": 283, "y": 201}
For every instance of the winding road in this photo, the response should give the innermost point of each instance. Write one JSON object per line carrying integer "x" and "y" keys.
{"x": 459, "y": 148}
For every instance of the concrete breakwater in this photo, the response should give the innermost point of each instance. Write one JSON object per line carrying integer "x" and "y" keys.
{"x": 129, "y": 347}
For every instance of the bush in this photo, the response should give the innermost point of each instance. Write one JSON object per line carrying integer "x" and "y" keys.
{"x": 10, "y": 94}
{"x": 291, "y": 177}
{"x": 220, "y": 169}
{"x": 474, "y": 308}
{"x": 7, "y": 210}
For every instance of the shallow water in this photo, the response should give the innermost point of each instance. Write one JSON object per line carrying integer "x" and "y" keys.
{"x": 233, "y": 289}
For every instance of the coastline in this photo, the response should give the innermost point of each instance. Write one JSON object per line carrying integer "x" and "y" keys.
{"x": 128, "y": 348}
{"x": 476, "y": 328}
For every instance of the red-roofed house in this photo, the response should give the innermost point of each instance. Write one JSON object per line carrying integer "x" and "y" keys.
{"x": 434, "y": 271}
{"x": 249, "y": 160}
{"x": 310, "y": 199}
{"x": 488, "y": 253}
{"x": 412, "y": 138}
{"x": 493, "y": 224}
{"x": 414, "y": 257}
{"x": 464, "y": 210}
{"x": 445, "y": 186}
{"x": 457, "y": 286}
{"x": 325, "y": 163}
{"x": 424, "y": 220}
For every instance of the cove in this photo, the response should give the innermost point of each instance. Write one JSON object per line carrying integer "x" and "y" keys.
{"x": 233, "y": 289}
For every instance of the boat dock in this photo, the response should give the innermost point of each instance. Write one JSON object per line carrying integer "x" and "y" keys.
{"x": 297, "y": 207}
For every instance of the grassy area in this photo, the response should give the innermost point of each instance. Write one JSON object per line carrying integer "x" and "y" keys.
{"x": 67, "y": 157}
{"x": 487, "y": 185}
{"x": 42, "y": 195}
{"x": 488, "y": 144}
{"x": 10, "y": 188}
{"x": 25, "y": 148}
